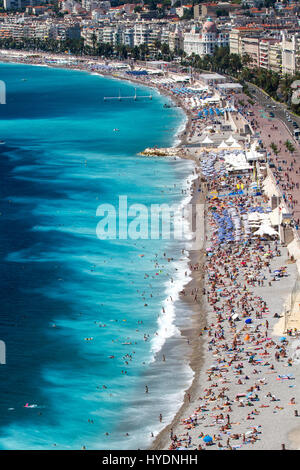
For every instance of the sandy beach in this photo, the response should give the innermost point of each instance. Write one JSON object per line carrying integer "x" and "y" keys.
{"x": 244, "y": 355}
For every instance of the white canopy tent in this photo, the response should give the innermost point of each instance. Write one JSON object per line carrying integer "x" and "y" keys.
{"x": 230, "y": 140}
{"x": 276, "y": 215}
{"x": 207, "y": 140}
{"x": 223, "y": 145}
{"x": 266, "y": 230}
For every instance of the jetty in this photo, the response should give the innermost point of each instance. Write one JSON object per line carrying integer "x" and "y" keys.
{"x": 133, "y": 97}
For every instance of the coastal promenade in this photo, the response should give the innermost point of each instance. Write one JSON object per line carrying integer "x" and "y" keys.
{"x": 246, "y": 367}
{"x": 286, "y": 167}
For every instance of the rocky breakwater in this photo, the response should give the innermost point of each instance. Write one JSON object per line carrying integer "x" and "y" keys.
{"x": 162, "y": 152}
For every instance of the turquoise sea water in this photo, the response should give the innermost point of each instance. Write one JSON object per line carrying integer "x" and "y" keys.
{"x": 60, "y": 284}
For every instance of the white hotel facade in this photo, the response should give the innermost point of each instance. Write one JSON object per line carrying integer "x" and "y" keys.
{"x": 205, "y": 42}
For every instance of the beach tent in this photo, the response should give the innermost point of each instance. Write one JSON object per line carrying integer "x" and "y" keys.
{"x": 266, "y": 230}
{"x": 207, "y": 140}
{"x": 230, "y": 140}
{"x": 276, "y": 215}
{"x": 223, "y": 145}
{"x": 236, "y": 144}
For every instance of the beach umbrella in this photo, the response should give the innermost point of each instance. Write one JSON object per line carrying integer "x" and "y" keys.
{"x": 248, "y": 320}
{"x": 247, "y": 337}
{"x": 282, "y": 338}
{"x": 207, "y": 439}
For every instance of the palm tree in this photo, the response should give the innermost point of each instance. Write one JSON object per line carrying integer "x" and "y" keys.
{"x": 274, "y": 148}
{"x": 246, "y": 59}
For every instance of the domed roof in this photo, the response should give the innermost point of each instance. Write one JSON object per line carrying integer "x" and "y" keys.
{"x": 209, "y": 26}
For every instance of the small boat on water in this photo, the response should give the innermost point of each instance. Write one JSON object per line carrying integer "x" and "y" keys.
{"x": 2, "y": 142}
{"x": 116, "y": 129}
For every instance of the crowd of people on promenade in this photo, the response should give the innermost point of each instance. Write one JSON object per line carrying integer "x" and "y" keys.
{"x": 284, "y": 160}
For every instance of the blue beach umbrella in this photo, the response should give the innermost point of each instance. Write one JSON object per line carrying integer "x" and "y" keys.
{"x": 207, "y": 439}
{"x": 248, "y": 320}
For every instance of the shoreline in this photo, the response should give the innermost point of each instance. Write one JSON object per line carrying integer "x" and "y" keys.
{"x": 196, "y": 257}
{"x": 196, "y": 356}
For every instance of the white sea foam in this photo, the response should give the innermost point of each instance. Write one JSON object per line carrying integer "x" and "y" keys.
{"x": 179, "y": 131}
{"x": 166, "y": 325}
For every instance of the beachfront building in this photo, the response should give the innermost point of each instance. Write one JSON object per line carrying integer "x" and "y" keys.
{"x": 20, "y": 28}
{"x": 205, "y": 42}
{"x": 277, "y": 50}
{"x": 128, "y": 36}
{"x": 128, "y": 33}
{"x": 290, "y": 54}
{"x": 141, "y": 33}
{"x": 176, "y": 40}
{"x": 270, "y": 55}
{"x": 91, "y": 35}
{"x": 17, "y": 4}
{"x": 275, "y": 57}
{"x": 237, "y": 35}
{"x": 211, "y": 79}
{"x": 250, "y": 46}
